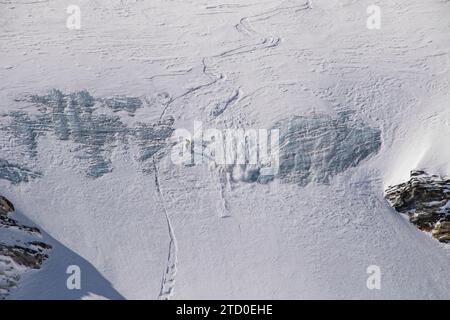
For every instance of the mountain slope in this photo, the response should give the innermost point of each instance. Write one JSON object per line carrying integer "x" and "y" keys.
{"x": 86, "y": 117}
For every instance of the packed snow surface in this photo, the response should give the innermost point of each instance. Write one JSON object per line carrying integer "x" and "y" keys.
{"x": 86, "y": 117}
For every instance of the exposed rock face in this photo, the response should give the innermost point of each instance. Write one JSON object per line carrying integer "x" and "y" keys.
{"x": 426, "y": 200}
{"x": 20, "y": 249}
{"x": 441, "y": 231}
{"x": 5, "y": 206}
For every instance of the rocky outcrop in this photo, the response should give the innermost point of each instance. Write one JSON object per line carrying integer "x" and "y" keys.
{"x": 21, "y": 249}
{"x": 5, "y": 206}
{"x": 441, "y": 231}
{"x": 426, "y": 200}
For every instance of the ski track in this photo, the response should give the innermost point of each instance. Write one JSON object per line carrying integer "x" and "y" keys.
{"x": 267, "y": 42}
{"x": 214, "y": 78}
{"x": 168, "y": 278}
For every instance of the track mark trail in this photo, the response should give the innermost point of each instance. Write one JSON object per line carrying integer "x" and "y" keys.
{"x": 246, "y": 28}
{"x": 168, "y": 278}
{"x": 213, "y": 79}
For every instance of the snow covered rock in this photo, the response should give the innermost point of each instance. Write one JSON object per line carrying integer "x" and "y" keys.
{"x": 20, "y": 249}
{"x": 426, "y": 200}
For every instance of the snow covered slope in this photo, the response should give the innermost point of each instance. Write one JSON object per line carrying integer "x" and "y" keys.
{"x": 86, "y": 116}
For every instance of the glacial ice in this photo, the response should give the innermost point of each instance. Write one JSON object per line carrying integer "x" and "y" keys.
{"x": 73, "y": 117}
{"x": 16, "y": 173}
{"x": 314, "y": 148}
{"x": 317, "y": 147}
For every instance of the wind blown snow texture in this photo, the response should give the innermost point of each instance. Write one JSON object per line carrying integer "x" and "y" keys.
{"x": 86, "y": 117}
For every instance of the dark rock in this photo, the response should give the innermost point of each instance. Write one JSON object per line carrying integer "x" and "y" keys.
{"x": 18, "y": 254}
{"x": 441, "y": 231}
{"x": 5, "y": 206}
{"x": 425, "y": 199}
{"x": 23, "y": 256}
